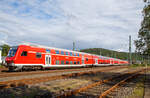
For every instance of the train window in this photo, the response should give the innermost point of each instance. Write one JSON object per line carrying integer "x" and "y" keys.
{"x": 71, "y": 54}
{"x": 66, "y": 53}
{"x": 82, "y": 60}
{"x": 24, "y": 53}
{"x": 57, "y": 51}
{"x": 71, "y": 62}
{"x": 48, "y": 50}
{"x": 67, "y": 62}
{"x": 49, "y": 60}
{"x": 57, "y": 62}
{"x": 86, "y": 59}
{"x": 78, "y": 62}
{"x": 62, "y": 62}
{"x": 38, "y": 55}
{"x": 75, "y": 62}
{"x": 77, "y": 54}
{"x": 62, "y": 52}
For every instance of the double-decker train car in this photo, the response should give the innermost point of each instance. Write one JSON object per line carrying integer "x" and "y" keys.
{"x": 27, "y": 56}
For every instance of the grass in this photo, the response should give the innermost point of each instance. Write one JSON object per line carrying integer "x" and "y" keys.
{"x": 138, "y": 91}
{"x": 138, "y": 65}
{"x": 1, "y": 66}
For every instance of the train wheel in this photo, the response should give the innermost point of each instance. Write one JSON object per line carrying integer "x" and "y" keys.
{"x": 10, "y": 69}
{"x": 41, "y": 68}
{"x": 20, "y": 70}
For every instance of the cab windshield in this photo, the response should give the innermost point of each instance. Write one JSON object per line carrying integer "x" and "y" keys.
{"x": 12, "y": 52}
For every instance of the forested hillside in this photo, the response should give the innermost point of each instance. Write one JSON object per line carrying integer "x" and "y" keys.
{"x": 114, "y": 54}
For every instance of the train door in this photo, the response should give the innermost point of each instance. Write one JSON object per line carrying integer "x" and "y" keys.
{"x": 47, "y": 60}
{"x": 96, "y": 61}
{"x": 111, "y": 62}
{"x": 82, "y": 60}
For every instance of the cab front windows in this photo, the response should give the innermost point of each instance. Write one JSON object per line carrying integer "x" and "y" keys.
{"x": 12, "y": 52}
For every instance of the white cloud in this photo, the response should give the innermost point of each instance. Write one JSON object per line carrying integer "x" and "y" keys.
{"x": 58, "y": 23}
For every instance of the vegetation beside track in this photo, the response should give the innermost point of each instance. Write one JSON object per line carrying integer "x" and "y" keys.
{"x": 139, "y": 65}
{"x": 1, "y": 66}
{"x": 138, "y": 91}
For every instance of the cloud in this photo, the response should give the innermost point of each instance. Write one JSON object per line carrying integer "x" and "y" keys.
{"x": 57, "y": 23}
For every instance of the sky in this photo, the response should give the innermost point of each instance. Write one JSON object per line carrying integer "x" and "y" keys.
{"x": 58, "y": 23}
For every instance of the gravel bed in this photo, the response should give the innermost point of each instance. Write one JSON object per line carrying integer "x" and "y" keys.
{"x": 25, "y": 92}
{"x": 147, "y": 85}
{"x": 127, "y": 90}
{"x": 96, "y": 91}
{"x": 47, "y": 89}
{"x": 81, "y": 81}
{"x": 56, "y": 87}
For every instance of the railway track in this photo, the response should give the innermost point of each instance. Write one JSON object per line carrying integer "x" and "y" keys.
{"x": 14, "y": 83}
{"x": 5, "y": 74}
{"x": 98, "y": 89}
{"x": 12, "y": 74}
{"x": 110, "y": 92}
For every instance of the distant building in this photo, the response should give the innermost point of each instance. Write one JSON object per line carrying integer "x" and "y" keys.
{"x": 3, "y": 60}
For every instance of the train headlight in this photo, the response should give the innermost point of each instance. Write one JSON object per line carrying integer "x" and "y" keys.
{"x": 12, "y": 64}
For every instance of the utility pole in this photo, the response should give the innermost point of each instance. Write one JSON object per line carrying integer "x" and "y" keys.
{"x": 73, "y": 46}
{"x": 130, "y": 55}
{"x": 99, "y": 51}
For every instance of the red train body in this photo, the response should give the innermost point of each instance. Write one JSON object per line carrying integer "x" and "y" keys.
{"x": 24, "y": 56}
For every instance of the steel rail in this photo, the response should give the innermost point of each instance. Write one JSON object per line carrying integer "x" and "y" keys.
{"x": 104, "y": 94}
{"x": 37, "y": 72}
{"x": 14, "y": 83}
{"x": 2, "y": 75}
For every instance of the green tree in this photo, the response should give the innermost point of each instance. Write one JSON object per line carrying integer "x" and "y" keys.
{"x": 143, "y": 42}
{"x": 5, "y": 49}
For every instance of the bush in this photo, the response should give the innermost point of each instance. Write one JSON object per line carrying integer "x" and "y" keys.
{"x": 138, "y": 65}
{"x": 1, "y": 66}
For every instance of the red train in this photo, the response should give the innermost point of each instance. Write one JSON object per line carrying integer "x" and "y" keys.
{"x": 39, "y": 57}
